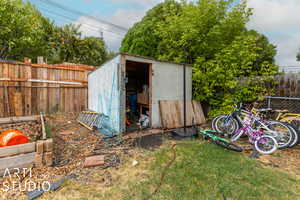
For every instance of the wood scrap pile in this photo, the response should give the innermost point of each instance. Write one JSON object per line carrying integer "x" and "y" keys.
{"x": 31, "y": 129}
{"x": 30, "y": 126}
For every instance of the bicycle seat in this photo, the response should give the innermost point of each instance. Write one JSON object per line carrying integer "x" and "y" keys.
{"x": 282, "y": 111}
{"x": 263, "y": 109}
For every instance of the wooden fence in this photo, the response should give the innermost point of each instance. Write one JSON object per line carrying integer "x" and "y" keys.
{"x": 288, "y": 85}
{"x": 28, "y": 89}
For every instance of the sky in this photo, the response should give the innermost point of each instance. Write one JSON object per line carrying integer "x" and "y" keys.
{"x": 277, "y": 19}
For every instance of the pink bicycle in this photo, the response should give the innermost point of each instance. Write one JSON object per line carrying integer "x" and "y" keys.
{"x": 264, "y": 144}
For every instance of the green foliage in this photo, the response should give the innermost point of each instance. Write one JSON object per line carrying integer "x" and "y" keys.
{"x": 212, "y": 36}
{"x": 298, "y": 56}
{"x": 69, "y": 46}
{"x": 24, "y": 32}
{"x": 142, "y": 38}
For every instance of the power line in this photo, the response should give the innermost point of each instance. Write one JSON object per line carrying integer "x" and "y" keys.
{"x": 87, "y": 27}
{"x": 72, "y": 19}
{"x": 50, "y": 2}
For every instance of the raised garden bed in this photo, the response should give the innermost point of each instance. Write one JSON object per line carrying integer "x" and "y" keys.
{"x": 38, "y": 151}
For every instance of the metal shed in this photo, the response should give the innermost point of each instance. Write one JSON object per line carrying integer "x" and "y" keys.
{"x": 111, "y": 84}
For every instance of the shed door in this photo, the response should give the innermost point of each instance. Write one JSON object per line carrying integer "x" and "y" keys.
{"x": 105, "y": 83}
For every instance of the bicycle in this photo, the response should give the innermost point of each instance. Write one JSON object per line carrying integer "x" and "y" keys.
{"x": 264, "y": 144}
{"x": 285, "y": 117}
{"x": 230, "y": 124}
{"x": 211, "y": 134}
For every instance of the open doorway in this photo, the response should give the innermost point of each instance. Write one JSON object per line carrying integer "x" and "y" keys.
{"x": 138, "y": 97}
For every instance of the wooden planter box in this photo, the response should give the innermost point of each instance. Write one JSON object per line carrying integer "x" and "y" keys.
{"x": 21, "y": 156}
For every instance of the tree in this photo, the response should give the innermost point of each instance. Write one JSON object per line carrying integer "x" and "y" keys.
{"x": 23, "y": 31}
{"x": 212, "y": 36}
{"x": 298, "y": 56}
{"x": 142, "y": 38}
{"x": 70, "y": 46}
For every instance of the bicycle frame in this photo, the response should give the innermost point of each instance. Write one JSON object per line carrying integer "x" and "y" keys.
{"x": 255, "y": 119}
{"x": 212, "y": 136}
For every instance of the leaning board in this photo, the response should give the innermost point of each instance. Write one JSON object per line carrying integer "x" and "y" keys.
{"x": 171, "y": 113}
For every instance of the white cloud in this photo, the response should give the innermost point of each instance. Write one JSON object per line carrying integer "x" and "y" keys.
{"x": 145, "y": 3}
{"x": 279, "y": 20}
{"x": 112, "y": 35}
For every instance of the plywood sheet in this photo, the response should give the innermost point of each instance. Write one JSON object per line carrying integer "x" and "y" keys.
{"x": 171, "y": 112}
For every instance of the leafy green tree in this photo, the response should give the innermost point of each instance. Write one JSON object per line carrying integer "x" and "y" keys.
{"x": 23, "y": 31}
{"x": 211, "y": 35}
{"x": 70, "y": 46}
{"x": 298, "y": 56}
{"x": 142, "y": 38}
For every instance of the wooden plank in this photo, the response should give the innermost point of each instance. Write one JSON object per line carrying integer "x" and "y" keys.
{"x": 44, "y": 99}
{"x": 28, "y": 91}
{"x": 199, "y": 114}
{"x": 17, "y": 149}
{"x": 18, "y": 161}
{"x": 34, "y": 93}
{"x": 18, "y": 105}
{"x": 172, "y": 113}
{"x": 9, "y": 120}
{"x": 44, "y": 137}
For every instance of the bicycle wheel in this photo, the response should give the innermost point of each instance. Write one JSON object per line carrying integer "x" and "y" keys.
{"x": 266, "y": 144}
{"x": 283, "y": 133}
{"x": 296, "y": 135}
{"x": 228, "y": 145}
{"x": 225, "y": 127}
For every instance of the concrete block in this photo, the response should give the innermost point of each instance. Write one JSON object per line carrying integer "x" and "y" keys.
{"x": 39, "y": 146}
{"x": 38, "y": 160}
{"x": 48, "y": 145}
{"x": 48, "y": 159}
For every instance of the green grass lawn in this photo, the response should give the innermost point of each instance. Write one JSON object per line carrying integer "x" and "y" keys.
{"x": 206, "y": 171}
{"x": 201, "y": 171}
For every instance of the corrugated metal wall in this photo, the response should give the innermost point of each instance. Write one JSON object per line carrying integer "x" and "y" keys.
{"x": 105, "y": 97}
{"x": 104, "y": 92}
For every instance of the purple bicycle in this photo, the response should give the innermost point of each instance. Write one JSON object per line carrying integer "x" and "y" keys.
{"x": 264, "y": 144}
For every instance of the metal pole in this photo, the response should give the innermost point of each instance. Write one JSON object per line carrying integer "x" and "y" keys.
{"x": 184, "y": 97}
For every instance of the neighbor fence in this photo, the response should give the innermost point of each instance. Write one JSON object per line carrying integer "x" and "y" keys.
{"x": 286, "y": 93}
{"x": 28, "y": 89}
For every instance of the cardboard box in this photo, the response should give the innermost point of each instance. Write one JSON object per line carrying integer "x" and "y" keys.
{"x": 143, "y": 98}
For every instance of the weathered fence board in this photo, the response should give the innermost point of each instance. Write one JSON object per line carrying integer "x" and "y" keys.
{"x": 28, "y": 89}
{"x": 17, "y": 149}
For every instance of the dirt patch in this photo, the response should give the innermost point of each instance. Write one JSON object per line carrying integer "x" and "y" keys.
{"x": 287, "y": 160}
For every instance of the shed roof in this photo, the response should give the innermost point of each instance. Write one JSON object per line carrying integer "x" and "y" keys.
{"x": 150, "y": 58}
{"x": 142, "y": 57}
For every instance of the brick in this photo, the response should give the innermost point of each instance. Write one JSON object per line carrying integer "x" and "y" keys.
{"x": 48, "y": 159}
{"x": 38, "y": 160}
{"x": 94, "y": 161}
{"x": 39, "y": 146}
{"x": 48, "y": 145}
{"x": 67, "y": 132}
